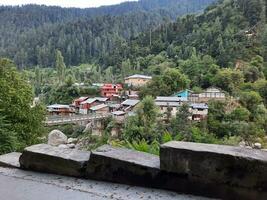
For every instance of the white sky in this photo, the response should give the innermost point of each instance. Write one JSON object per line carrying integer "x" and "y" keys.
{"x": 64, "y": 3}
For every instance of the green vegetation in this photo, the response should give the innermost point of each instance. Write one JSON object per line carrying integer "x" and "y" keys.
{"x": 31, "y": 35}
{"x": 20, "y": 124}
{"x": 224, "y": 47}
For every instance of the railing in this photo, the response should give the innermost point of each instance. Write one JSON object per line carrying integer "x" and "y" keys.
{"x": 57, "y": 120}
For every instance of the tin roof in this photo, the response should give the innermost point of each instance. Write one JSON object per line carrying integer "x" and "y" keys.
{"x": 98, "y": 107}
{"x": 130, "y": 102}
{"x": 58, "y": 106}
{"x": 170, "y": 99}
{"x": 139, "y": 76}
{"x": 92, "y": 100}
{"x": 168, "y": 104}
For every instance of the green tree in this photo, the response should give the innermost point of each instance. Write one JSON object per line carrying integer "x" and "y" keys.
{"x": 250, "y": 100}
{"x": 144, "y": 124}
{"x": 60, "y": 67}
{"x": 240, "y": 114}
{"x": 16, "y": 97}
{"x": 228, "y": 79}
{"x": 169, "y": 82}
{"x": 8, "y": 142}
{"x": 182, "y": 123}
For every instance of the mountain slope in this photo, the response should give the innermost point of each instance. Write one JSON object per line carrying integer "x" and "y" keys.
{"x": 227, "y": 31}
{"x": 31, "y": 34}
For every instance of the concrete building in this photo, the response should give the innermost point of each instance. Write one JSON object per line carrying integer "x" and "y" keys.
{"x": 110, "y": 90}
{"x": 172, "y": 104}
{"x": 199, "y": 111}
{"x": 137, "y": 80}
{"x": 211, "y": 93}
{"x": 169, "y": 104}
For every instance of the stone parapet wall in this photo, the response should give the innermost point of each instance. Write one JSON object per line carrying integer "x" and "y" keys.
{"x": 208, "y": 170}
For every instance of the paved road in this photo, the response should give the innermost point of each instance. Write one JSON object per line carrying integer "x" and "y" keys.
{"x": 17, "y": 184}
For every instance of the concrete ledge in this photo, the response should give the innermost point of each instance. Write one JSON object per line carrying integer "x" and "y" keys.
{"x": 10, "y": 160}
{"x": 216, "y": 164}
{"x": 46, "y": 158}
{"x": 122, "y": 165}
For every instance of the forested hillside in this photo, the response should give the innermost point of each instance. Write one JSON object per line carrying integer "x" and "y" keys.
{"x": 31, "y": 34}
{"x": 228, "y": 31}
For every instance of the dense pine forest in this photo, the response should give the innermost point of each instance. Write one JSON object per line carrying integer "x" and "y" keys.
{"x": 31, "y": 34}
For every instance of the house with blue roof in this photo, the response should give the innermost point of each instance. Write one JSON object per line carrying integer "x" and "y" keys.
{"x": 183, "y": 94}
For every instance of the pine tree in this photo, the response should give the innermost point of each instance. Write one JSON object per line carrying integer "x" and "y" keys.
{"x": 60, "y": 66}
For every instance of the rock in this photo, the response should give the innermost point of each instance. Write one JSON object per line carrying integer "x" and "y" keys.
{"x": 264, "y": 149}
{"x": 56, "y": 138}
{"x": 216, "y": 164}
{"x": 50, "y": 159}
{"x": 248, "y": 147}
{"x": 72, "y": 140}
{"x": 257, "y": 145}
{"x": 10, "y": 160}
{"x": 63, "y": 146}
{"x": 88, "y": 127}
{"x": 242, "y": 144}
{"x": 71, "y": 146}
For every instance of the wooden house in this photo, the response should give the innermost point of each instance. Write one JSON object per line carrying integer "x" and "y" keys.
{"x": 87, "y": 104}
{"x": 59, "y": 109}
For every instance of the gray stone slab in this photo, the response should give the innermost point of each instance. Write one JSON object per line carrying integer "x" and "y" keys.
{"x": 46, "y": 158}
{"x": 10, "y": 160}
{"x": 216, "y": 164}
{"x": 123, "y": 166}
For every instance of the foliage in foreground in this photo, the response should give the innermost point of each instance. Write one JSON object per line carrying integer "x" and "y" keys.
{"x": 20, "y": 123}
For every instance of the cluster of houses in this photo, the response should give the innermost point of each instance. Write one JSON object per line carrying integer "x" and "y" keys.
{"x": 112, "y": 103}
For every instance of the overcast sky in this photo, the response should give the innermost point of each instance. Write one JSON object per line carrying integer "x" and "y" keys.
{"x": 64, "y": 3}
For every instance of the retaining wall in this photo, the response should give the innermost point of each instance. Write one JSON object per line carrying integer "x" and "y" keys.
{"x": 208, "y": 170}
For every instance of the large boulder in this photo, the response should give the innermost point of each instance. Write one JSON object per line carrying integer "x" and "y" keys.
{"x": 56, "y": 138}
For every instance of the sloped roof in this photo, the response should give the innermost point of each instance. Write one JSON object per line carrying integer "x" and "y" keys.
{"x": 170, "y": 99}
{"x": 58, "y": 106}
{"x": 130, "y": 102}
{"x": 118, "y": 113}
{"x": 89, "y": 101}
{"x": 98, "y": 107}
{"x": 92, "y": 100}
{"x": 139, "y": 76}
{"x": 102, "y": 99}
{"x": 170, "y": 104}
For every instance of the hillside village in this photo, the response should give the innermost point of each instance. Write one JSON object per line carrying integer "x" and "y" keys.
{"x": 119, "y": 102}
